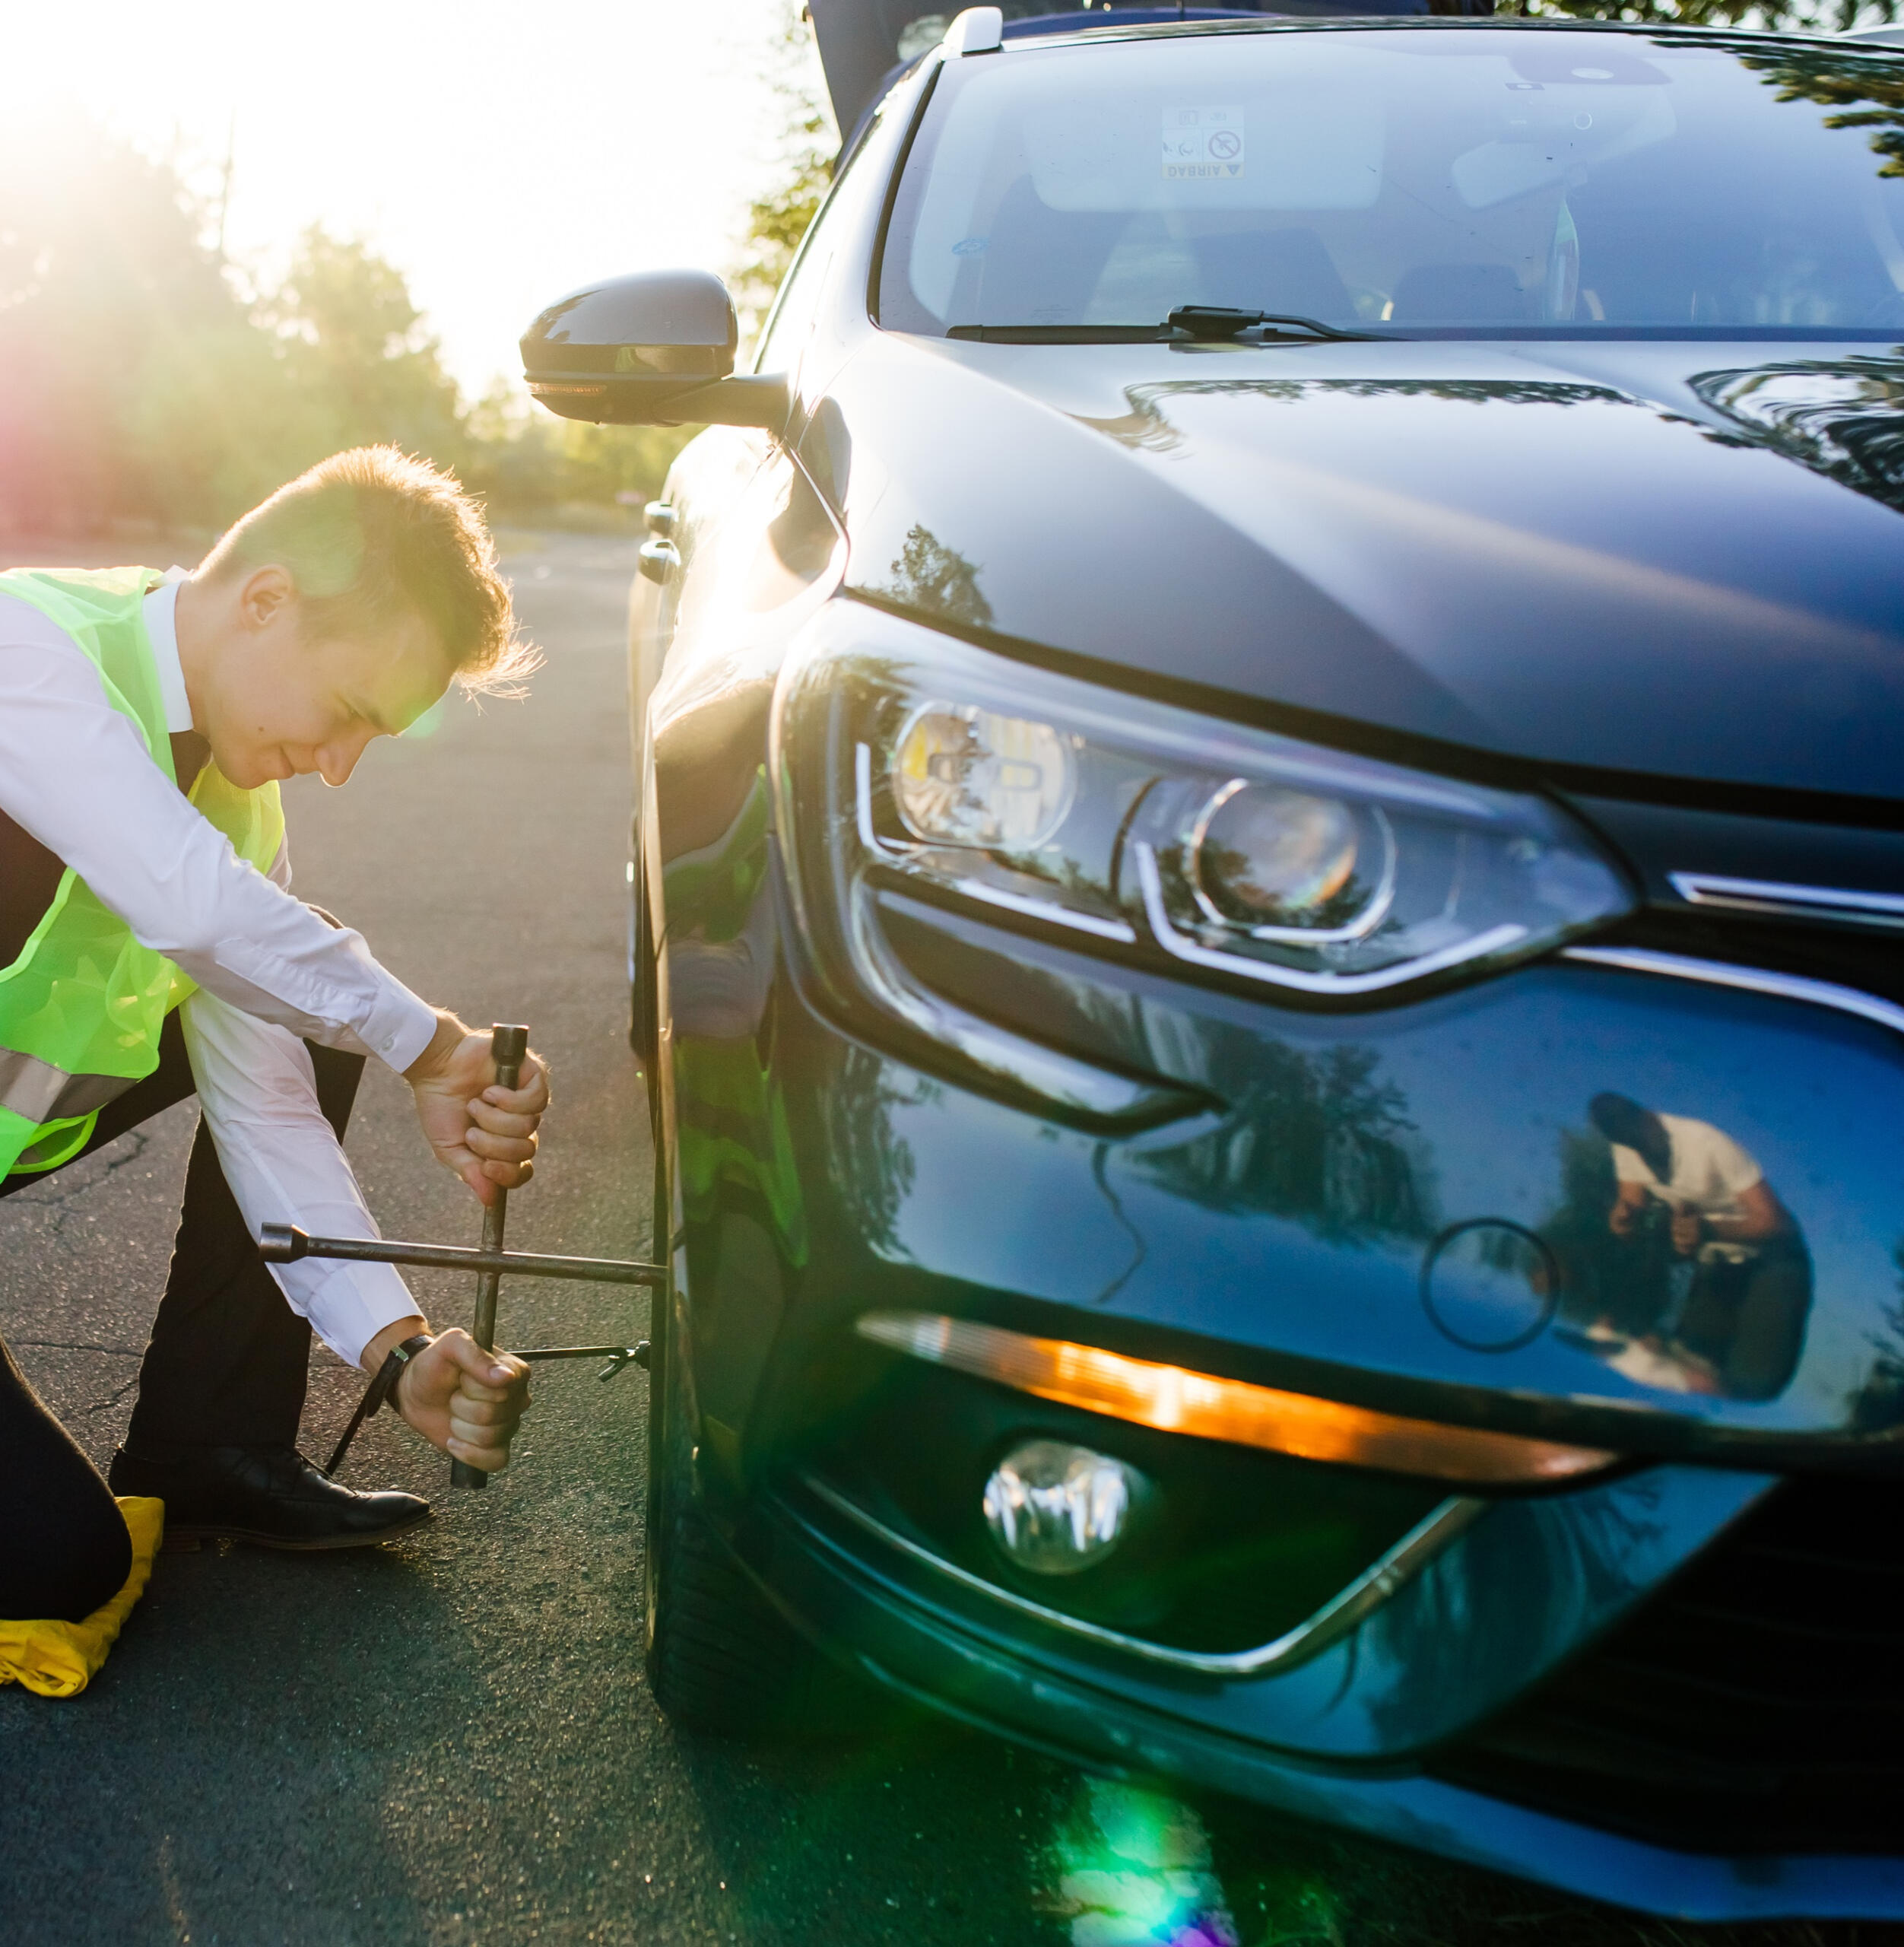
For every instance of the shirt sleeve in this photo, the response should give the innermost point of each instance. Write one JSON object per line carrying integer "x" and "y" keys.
{"x": 1734, "y": 1168}
{"x": 258, "y": 1097}
{"x": 76, "y": 775}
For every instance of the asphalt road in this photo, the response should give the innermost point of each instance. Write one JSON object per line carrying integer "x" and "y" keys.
{"x": 449, "y": 1740}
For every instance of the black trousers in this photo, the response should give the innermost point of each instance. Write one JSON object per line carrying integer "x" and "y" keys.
{"x": 225, "y": 1367}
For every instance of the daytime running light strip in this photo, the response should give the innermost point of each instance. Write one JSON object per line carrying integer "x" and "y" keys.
{"x": 1180, "y": 946}
{"x": 1340, "y": 1614}
{"x": 1810, "y": 902}
{"x": 1040, "y": 908}
{"x": 1175, "y": 1400}
{"x": 1750, "y": 980}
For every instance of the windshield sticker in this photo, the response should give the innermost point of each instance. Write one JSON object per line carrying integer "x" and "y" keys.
{"x": 1202, "y": 143}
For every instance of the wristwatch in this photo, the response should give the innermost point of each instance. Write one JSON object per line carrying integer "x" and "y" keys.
{"x": 383, "y": 1388}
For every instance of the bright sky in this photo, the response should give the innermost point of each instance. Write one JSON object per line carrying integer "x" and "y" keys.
{"x": 499, "y": 153}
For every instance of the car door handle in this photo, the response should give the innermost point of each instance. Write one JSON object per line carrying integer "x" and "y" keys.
{"x": 659, "y": 559}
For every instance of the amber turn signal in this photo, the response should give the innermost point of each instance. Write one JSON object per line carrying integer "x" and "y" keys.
{"x": 1175, "y": 1400}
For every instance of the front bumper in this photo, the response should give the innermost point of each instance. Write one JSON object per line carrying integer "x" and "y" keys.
{"x": 1281, "y": 1235}
{"x": 869, "y": 1613}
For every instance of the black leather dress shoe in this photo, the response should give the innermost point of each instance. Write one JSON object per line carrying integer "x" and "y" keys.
{"x": 271, "y": 1495}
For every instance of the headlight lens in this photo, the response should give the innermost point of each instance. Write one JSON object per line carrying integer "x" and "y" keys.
{"x": 969, "y": 776}
{"x": 962, "y": 776}
{"x": 1281, "y": 864}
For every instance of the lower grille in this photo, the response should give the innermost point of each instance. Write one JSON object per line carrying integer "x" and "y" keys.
{"x": 1755, "y": 1704}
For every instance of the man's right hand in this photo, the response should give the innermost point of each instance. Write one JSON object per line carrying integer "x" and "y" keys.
{"x": 464, "y": 1400}
{"x": 486, "y": 1133}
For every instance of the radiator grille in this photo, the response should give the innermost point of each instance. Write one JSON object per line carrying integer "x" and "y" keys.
{"x": 1755, "y": 1704}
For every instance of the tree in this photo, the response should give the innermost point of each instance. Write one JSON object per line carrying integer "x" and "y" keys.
{"x": 105, "y": 278}
{"x": 801, "y": 164}
{"x": 355, "y": 344}
{"x": 1867, "y": 94}
{"x": 1792, "y": 16}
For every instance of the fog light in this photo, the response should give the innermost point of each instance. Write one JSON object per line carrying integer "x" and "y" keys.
{"x": 1054, "y": 1508}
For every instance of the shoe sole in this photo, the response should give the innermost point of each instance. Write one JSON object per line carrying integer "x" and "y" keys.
{"x": 195, "y": 1536}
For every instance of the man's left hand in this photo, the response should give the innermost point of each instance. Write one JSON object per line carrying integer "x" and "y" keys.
{"x": 485, "y": 1133}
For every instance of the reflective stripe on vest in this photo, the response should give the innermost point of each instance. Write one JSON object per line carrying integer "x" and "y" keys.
{"x": 44, "y": 1093}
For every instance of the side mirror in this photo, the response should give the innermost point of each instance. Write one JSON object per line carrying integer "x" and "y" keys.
{"x": 656, "y": 348}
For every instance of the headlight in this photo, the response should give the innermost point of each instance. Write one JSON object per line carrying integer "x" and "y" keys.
{"x": 1164, "y": 834}
{"x": 967, "y": 776}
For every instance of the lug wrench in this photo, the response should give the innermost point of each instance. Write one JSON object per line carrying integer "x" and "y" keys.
{"x": 507, "y": 1046}
{"x": 284, "y": 1243}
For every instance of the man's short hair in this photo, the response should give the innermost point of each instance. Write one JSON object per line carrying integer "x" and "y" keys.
{"x": 1620, "y": 1119}
{"x": 368, "y": 535}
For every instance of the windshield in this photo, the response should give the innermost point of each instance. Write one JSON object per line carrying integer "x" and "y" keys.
{"x": 1460, "y": 182}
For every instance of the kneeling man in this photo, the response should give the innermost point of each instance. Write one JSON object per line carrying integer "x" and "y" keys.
{"x": 149, "y": 948}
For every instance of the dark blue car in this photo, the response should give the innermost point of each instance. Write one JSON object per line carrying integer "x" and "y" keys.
{"x": 1268, "y": 899}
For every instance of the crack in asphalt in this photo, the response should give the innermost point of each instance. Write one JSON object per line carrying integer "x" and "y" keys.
{"x": 74, "y": 1345}
{"x": 64, "y": 1190}
{"x": 57, "y": 1198}
{"x": 112, "y": 1399}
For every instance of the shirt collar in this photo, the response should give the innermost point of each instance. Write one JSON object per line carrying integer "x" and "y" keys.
{"x": 161, "y": 627}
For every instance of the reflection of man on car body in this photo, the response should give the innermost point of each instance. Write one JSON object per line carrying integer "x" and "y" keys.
{"x": 1715, "y": 1188}
{"x": 1744, "y": 1313}
{"x": 149, "y": 949}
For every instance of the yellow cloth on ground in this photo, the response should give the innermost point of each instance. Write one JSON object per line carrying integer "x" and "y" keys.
{"x": 60, "y": 1658}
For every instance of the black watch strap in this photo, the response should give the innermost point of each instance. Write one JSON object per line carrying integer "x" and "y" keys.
{"x": 379, "y": 1392}
{"x": 383, "y": 1388}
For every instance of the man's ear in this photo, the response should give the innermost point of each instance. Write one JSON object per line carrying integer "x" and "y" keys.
{"x": 266, "y": 599}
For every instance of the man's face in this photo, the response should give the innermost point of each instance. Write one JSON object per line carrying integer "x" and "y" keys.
{"x": 281, "y": 705}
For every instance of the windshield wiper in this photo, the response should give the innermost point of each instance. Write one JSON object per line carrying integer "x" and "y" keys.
{"x": 1061, "y": 334}
{"x": 1208, "y": 323}
{"x": 1195, "y": 324}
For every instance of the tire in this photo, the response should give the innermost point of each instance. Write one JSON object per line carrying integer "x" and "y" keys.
{"x": 640, "y": 1038}
{"x": 641, "y": 976}
{"x": 719, "y": 1656}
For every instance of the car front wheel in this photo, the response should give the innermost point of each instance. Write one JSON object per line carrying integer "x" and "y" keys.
{"x": 720, "y": 1657}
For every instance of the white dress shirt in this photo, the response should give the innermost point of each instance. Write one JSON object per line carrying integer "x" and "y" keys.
{"x": 75, "y": 774}
{"x": 1708, "y": 1174}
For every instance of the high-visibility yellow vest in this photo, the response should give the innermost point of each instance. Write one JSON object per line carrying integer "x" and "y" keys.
{"x": 81, "y": 1009}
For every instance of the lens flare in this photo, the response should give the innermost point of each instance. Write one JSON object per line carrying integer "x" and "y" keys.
{"x": 1133, "y": 1868}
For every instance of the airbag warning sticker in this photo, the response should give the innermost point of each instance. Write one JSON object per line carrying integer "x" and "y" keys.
{"x": 1202, "y": 143}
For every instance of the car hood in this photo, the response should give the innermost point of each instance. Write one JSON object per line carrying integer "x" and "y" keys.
{"x": 1679, "y": 559}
